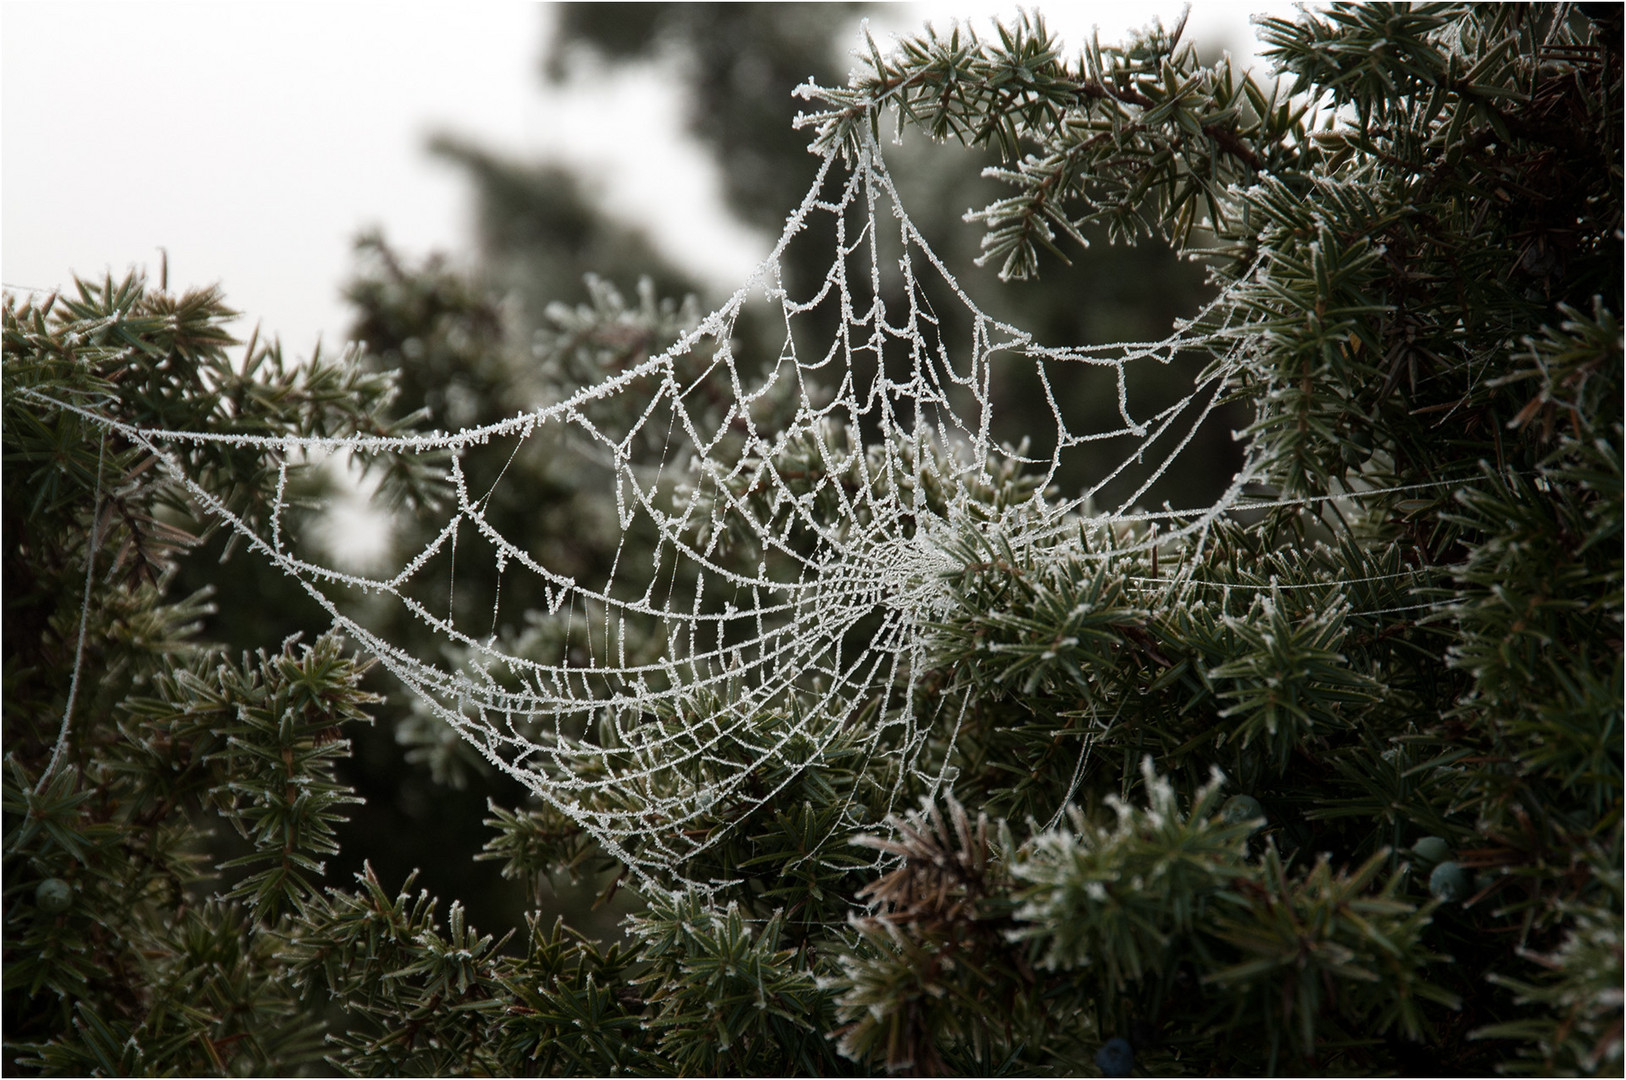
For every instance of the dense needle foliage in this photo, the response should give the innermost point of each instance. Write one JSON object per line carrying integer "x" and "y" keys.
{"x": 1358, "y": 805}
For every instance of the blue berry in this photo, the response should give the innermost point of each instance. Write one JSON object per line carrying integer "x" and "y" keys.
{"x": 1240, "y": 808}
{"x": 1431, "y": 850}
{"x": 1450, "y": 883}
{"x": 1115, "y": 1058}
{"x": 54, "y": 896}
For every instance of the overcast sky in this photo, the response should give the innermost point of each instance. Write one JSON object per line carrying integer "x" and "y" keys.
{"x": 253, "y": 140}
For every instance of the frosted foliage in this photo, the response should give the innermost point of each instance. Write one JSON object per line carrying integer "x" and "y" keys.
{"x": 754, "y": 592}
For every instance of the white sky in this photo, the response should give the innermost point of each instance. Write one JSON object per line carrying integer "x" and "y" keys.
{"x": 253, "y": 140}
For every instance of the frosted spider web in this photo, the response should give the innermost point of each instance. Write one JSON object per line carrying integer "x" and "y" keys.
{"x": 807, "y": 597}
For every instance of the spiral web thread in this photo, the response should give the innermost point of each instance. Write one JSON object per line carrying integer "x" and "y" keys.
{"x": 830, "y": 631}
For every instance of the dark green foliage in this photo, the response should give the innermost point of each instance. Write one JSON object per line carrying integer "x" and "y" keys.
{"x": 125, "y": 735}
{"x": 1142, "y": 136}
{"x": 1416, "y": 282}
{"x": 726, "y": 997}
{"x": 1336, "y": 788}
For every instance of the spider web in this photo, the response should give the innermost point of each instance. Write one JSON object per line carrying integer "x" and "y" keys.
{"x": 766, "y": 613}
